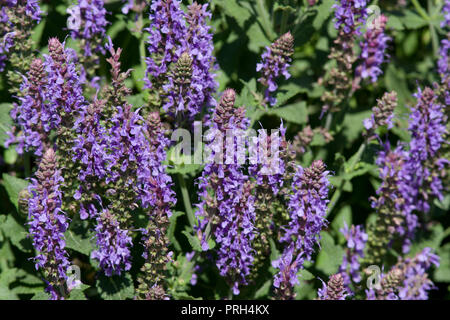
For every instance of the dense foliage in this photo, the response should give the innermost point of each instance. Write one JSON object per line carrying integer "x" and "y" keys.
{"x": 257, "y": 149}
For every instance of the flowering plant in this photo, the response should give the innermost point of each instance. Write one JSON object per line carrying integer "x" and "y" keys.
{"x": 173, "y": 149}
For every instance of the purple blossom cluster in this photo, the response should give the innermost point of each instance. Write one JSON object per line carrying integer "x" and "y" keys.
{"x": 350, "y": 15}
{"x": 266, "y": 162}
{"x": 53, "y": 94}
{"x": 32, "y": 11}
{"x": 87, "y": 21}
{"x": 443, "y": 63}
{"x": 423, "y": 163}
{"x": 174, "y": 33}
{"x": 199, "y": 47}
{"x": 351, "y": 261}
{"x": 373, "y": 49}
{"x": 63, "y": 93}
{"x": 91, "y": 146}
{"x": 124, "y": 152}
{"x": 307, "y": 209}
{"x": 30, "y": 112}
{"x": 407, "y": 280}
{"x": 230, "y": 211}
{"x": 275, "y": 62}
{"x": 47, "y": 223}
{"x": 334, "y": 289}
{"x": 382, "y": 113}
{"x": 167, "y": 39}
{"x": 113, "y": 244}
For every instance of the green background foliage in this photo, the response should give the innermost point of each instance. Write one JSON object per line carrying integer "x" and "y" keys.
{"x": 241, "y": 31}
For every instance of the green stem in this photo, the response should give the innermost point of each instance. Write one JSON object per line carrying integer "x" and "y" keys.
{"x": 328, "y": 120}
{"x": 142, "y": 46}
{"x": 27, "y": 164}
{"x": 186, "y": 200}
{"x": 265, "y": 19}
{"x": 284, "y": 19}
{"x": 420, "y": 10}
{"x": 337, "y": 194}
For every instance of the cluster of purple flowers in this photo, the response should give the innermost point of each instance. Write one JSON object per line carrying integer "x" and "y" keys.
{"x": 87, "y": 21}
{"x": 407, "y": 280}
{"x": 53, "y": 95}
{"x": 275, "y": 62}
{"x": 31, "y": 112}
{"x": 267, "y": 163}
{"x": 423, "y": 164}
{"x": 32, "y": 11}
{"x": 112, "y": 244}
{"x": 48, "y": 223}
{"x": 334, "y": 289}
{"x": 373, "y": 50}
{"x": 230, "y": 211}
{"x": 172, "y": 34}
{"x": 443, "y": 63}
{"x": 307, "y": 209}
{"x": 351, "y": 261}
{"x": 382, "y": 113}
{"x": 350, "y": 15}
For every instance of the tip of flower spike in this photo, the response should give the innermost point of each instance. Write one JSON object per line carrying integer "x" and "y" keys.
{"x": 54, "y": 45}
{"x": 154, "y": 118}
{"x": 228, "y": 97}
{"x": 50, "y": 155}
{"x": 284, "y": 45}
{"x": 36, "y": 64}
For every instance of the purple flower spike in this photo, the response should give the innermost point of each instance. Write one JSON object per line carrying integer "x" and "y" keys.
{"x": 30, "y": 111}
{"x": 230, "y": 211}
{"x": 307, "y": 208}
{"x": 113, "y": 243}
{"x": 356, "y": 242}
{"x": 275, "y": 62}
{"x": 373, "y": 50}
{"x": 334, "y": 289}
{"x": 47, "y": 224}
{"x": 167, "y": 39}
{"x": 350, "y": 15}
{"x": 444, "y": 60}
{"x": 87, "y": 22}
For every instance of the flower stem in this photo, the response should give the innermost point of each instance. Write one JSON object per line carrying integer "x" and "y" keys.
{"x": 337, "y": 194}
{"x": 186, "y": 200}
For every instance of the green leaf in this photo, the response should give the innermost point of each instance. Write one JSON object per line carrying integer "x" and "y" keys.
{"x": 17, "y": 234}
{"x": 305, "y": 275}
{"x": 264, "y": 290}
{"x": 13, "y": 186}
{"x": 6, "y": 294}
{"x": 296, "y": 113}
{"x": 330, "y": 257}
{"x": 171, "y": 229}
{"x": 353, "y": 125}
{"x": 342, "y": 217}
{"x": 394, "y": 23}
{"x": 442, "y": 274}
{"x": 10, "y": 155}
{"x": 5, "y": 121}
{"x": 78, "y": 293}
{"x": 79, "y": 240}
{"x": 432, "y": 241}
{"x": 323, "y": 10}
{"x": 115, "y": 287}
{"x": 234, "y": 10}
{"x": 257, "y": 39}
{"x": 412, "y": 20}
{"x": 286, "y": 92}
{"x": 193, "y": 241}
{"x": 41, "y": 296}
